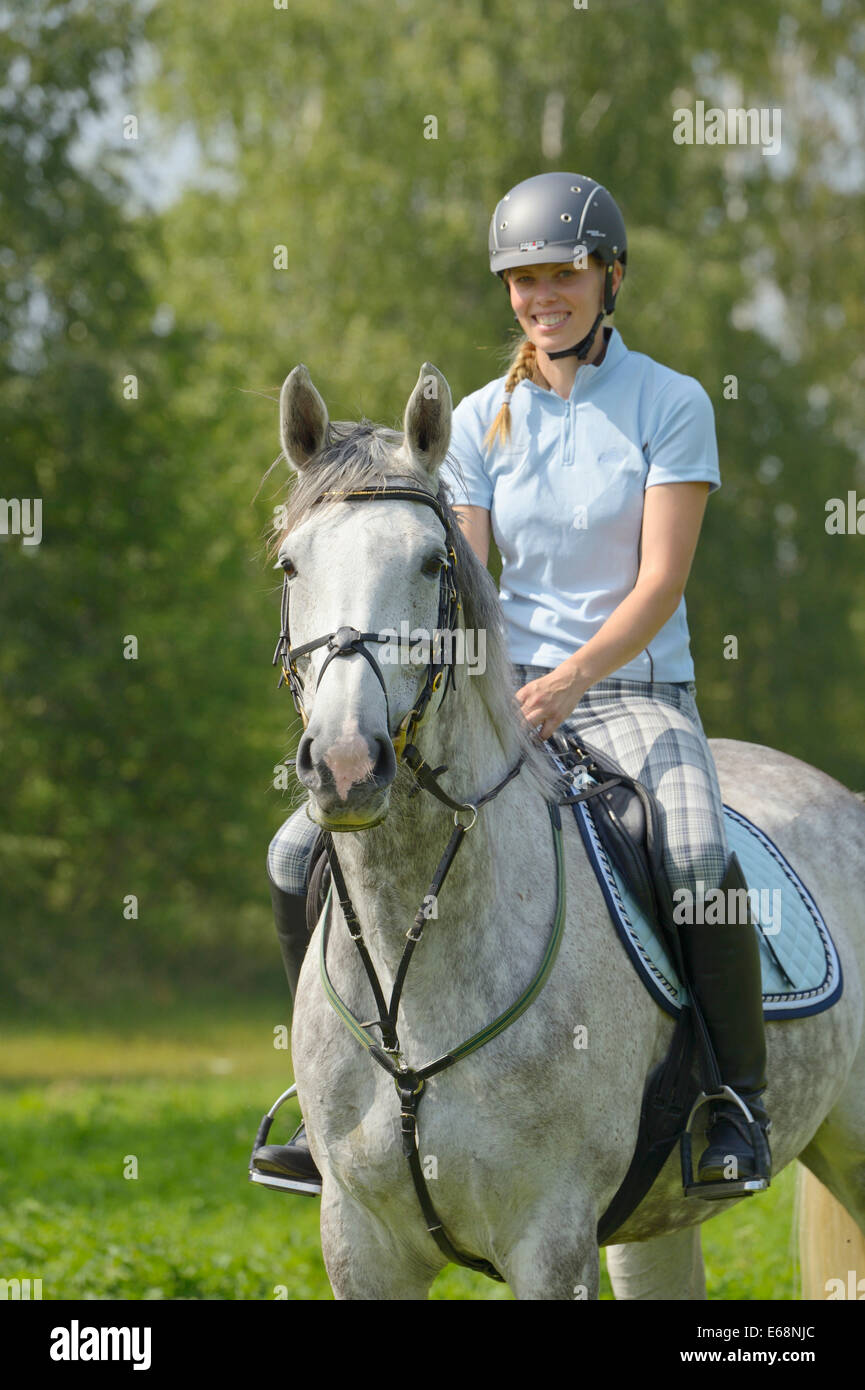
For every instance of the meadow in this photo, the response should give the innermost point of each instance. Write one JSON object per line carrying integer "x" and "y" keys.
{"x": 176, "y": 1096}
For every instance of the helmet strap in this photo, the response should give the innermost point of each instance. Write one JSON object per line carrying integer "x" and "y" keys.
{"x": 581, "y": 348}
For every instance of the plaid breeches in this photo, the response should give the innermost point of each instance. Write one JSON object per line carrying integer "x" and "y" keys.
{"x": 654, "y": 731}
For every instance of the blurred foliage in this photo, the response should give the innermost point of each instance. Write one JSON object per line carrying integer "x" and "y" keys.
{"x": 154, "y": 776}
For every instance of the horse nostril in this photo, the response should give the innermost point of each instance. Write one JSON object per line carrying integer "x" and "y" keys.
{"x": 303, "y": 759}
{"x": 384, "y": 770}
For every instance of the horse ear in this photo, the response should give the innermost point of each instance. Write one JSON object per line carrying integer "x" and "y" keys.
{"x": 303, "y": 418}
{"x": 427, "y": 422}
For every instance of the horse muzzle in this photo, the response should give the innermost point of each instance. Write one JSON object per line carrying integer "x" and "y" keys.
{"x": 348, "y": 777}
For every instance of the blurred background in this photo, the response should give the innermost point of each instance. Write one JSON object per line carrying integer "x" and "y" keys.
{"x": 195, "y": 197}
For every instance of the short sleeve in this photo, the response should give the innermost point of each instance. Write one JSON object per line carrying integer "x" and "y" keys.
{"x": 681, "y": 445}
{"x": 463, "y": 470}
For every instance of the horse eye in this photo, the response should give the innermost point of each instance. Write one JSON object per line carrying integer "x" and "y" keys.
{"x": 433, "y": 564}
{"x": 288, "y": 567}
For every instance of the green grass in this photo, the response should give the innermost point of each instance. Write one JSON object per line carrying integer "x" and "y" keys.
{"x": 183, "y": 1095}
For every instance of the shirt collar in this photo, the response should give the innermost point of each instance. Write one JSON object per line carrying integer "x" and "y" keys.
{"x": 587, "y": 372}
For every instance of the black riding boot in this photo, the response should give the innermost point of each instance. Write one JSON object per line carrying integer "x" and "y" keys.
{"x": 723, "y": 961}
{"x": 291, "y": 1164}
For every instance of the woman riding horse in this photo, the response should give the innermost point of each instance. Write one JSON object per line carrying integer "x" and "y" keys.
{"x": 591, "y": 465}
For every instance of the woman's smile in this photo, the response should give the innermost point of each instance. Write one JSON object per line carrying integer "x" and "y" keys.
{"x": 551, "y": 321}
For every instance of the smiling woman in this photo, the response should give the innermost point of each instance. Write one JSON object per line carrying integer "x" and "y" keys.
{"x": 591, "y": 465}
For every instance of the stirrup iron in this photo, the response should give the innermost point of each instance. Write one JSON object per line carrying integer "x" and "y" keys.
{"x": 727, "y": 1187}
{"x": 273, "y": 1179}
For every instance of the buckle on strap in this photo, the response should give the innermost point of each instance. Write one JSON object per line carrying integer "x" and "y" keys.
{"x": 409, "y": 1096}
{"x": 399, "y": 738}
{"x": 409, "y": 1085}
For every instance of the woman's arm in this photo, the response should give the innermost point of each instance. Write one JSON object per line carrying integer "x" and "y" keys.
{"x": 475, "y": 525}
{"x": 672, "y": 517}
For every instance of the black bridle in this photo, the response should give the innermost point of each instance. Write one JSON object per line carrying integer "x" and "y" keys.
{"x": 347, "y": 640}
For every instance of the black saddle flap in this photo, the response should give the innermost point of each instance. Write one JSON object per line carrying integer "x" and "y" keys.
{"x": 629, "y": 822}
{"x": 621, "y": 821}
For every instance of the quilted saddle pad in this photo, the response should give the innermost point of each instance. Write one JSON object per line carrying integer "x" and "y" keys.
{"x": 801, "y": 970}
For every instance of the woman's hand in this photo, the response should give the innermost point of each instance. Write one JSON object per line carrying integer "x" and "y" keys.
{"x": 550, "y": 699}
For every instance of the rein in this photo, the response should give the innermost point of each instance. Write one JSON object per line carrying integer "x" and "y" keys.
{"x": 410, "y": 1081}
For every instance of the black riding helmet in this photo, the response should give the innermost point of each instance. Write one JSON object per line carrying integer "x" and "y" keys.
{"x": 549, "y": 218}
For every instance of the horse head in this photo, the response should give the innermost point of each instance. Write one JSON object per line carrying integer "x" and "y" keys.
{"x": 367, "y": 587}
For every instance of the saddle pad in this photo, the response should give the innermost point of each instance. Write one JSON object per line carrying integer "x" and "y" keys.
{"x": 801, "y": 970}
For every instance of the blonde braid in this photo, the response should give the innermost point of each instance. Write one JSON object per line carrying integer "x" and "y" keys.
{"x": 524, "y": 366}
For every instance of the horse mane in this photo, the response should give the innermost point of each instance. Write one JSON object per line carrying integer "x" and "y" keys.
{"x": 361, "y": 455}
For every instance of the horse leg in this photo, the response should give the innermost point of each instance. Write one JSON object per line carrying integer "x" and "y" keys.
{"x": 842, "y": 1171}
{"x": 362, "y": 1257}
{"x": 836, "y": 1153}
{"x": 831, "y": 1211}
{"x": 666, "y": 1267}
{"x": 557, "y": 1257}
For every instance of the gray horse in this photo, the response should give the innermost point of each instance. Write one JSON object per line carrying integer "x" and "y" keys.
{"x": 524, "y": 1142}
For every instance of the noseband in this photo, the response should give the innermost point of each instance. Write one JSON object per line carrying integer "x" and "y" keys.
{"x": 347, "y": 640}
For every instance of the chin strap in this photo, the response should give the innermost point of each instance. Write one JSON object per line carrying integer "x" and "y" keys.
{"x": 582, "y": 347}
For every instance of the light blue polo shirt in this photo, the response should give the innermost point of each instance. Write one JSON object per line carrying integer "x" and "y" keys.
{"x": 565, "y": 497}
